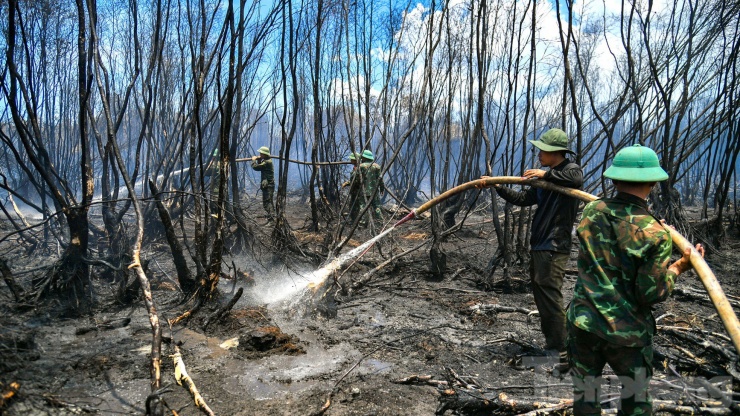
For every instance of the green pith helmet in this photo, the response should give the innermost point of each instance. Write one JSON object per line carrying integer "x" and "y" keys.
{"x": 636, "y": 164}
{"x": 264, "y": 150}
{"x": 215, "y": 153}
{"x": 352, "y": 156}
{"x": 553, "y": 140}
{"x": 367, "y": 154}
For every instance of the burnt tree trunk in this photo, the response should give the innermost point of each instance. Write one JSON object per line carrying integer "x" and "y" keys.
{"x": 184, "y": 277}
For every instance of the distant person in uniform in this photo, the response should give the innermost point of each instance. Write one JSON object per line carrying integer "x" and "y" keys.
{"x": 372, "y": 180}
{"x": 263, "y": 164}
{"x": 354, "y": 187}
{"x": 622, "y": 272}
{"x": 213, "y": 171}
{"x": 551, "y": 231}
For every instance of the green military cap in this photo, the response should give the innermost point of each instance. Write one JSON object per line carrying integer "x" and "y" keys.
{"x": 367, "y": 154}
{"x": 264, "y": 150}
{"x": 636, "y": 164}
{"x": 352, "y": 156}
{"x": 553, "y": 140}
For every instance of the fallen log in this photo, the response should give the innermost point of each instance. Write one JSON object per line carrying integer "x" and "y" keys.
{"x": 678, "y": 409}
{"x": 483, "y": 308}
{"x": 181, "y": 376}
{"x": 471, "y": 401}
{"x": 464, "y": 401}
{"x": 565, "y": 404}
{"x": 423, "y": 380}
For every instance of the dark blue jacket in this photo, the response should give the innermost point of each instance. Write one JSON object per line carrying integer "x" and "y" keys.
{"x": 556, "y": 213}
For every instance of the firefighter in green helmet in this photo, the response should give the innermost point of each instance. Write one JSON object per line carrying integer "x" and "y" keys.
{"x": 551, "y": 230}
{"x": 212, "y": 171}
{"x": 263, "y": 164}
{"x": 623, "y": 270}
{"x": 354, "y": 183}
{"x": 373, "y": 186}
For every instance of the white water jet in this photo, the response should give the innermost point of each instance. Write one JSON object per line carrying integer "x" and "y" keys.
{"x": 319, "y": 276}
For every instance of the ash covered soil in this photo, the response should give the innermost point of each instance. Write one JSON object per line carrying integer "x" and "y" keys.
{"x": 391, "y": 338}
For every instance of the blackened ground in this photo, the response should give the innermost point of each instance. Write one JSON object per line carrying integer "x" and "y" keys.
{"x": 297, "y": 348}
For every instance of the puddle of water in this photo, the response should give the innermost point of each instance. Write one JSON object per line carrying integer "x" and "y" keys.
{"x": 378, "y": 320}
{"x": 373, "y": 366}
{"x": 259, "y": 390}
{"x": 279, "y": 376}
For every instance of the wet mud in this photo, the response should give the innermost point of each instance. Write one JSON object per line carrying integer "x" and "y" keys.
{"x": 276, "y": 353}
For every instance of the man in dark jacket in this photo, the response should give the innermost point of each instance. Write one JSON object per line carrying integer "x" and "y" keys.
{"x": 552, "y": 226}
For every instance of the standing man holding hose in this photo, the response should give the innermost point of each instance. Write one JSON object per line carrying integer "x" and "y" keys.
{"x": 372, "y": 188}
{"x": 622, "y": 271}
{"x": 550, "y": 240}
{"x": 263, "y": 164}
{"x": 354, "y": 184}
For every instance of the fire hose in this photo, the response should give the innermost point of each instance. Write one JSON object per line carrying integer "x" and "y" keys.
{"x": 707, "y": 277}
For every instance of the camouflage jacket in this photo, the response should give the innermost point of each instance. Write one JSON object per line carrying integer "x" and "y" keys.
{"x": 267, "y": 172}
{"x": 371, "y": 179}
{"x": 622, "y": 271}
{"x": 213, "y": 168}
{"x": 556, "y": 213}
{"x": 354, "y": 181}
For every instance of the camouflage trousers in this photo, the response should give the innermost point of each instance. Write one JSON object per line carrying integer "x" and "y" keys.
{"x": 373, "y": 211}
{"x": 589, "y": 353}
{"x": 213, "y": 202}
{"x": 267, "y": 194}
{"x": 546, "y": 270}
{"x": 354, "y": 208}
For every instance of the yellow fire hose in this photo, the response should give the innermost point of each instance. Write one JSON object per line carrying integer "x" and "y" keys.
{"x": 707, "y": 277}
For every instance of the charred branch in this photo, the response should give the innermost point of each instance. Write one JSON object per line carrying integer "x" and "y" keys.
{"x": 223, "y": 310}
{"x": 184, "y": 277}
{"x": 183, "y": 379}
{"x": 15, "y": 288}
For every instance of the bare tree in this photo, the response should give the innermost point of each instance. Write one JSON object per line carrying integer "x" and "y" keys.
{"x": 72, "y": 274}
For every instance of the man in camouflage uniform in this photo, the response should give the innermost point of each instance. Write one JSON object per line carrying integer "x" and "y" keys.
{"x": 372, "y": 180}
{"x": 550, "y": 239}
{"x": 263, "y": 164}
{"x": 354, "y": 187}
{"x": 622, "y": 271}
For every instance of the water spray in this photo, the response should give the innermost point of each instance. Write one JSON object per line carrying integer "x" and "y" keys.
{"x": 707, "y": 277}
